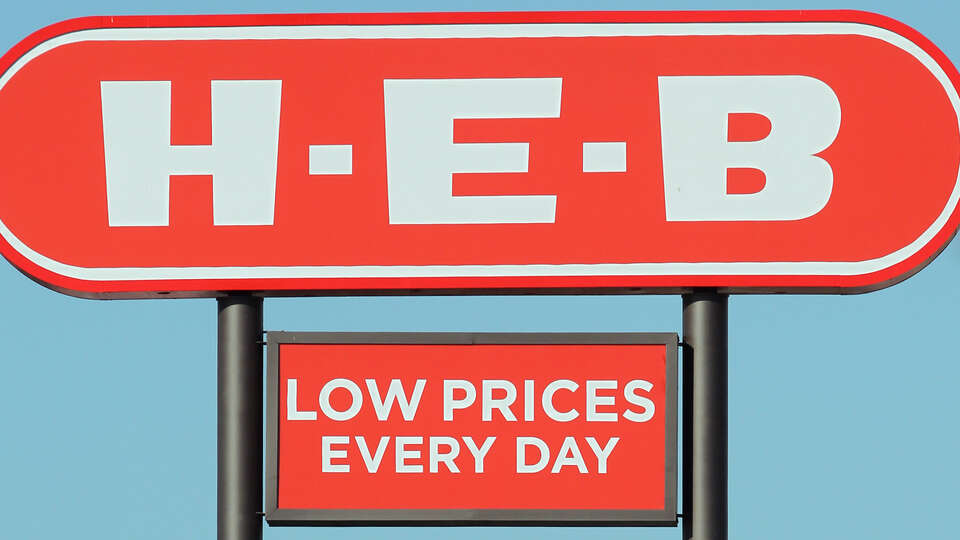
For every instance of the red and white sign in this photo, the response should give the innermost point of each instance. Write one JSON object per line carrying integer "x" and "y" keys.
{"x": 471, "y": 427}
{"x": 751, "y": 151}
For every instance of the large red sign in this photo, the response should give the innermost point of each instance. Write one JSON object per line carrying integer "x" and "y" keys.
{"x": 471, "y": 427}
{"x": 750, "y": 151}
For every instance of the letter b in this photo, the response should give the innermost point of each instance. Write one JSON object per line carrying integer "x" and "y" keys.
{"x": 804, "y": 114}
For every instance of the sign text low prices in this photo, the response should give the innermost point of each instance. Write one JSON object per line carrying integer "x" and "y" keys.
{"x": 448, "y": 426}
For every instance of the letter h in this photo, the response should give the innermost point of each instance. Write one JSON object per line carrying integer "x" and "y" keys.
{"x": 139, "y": 158}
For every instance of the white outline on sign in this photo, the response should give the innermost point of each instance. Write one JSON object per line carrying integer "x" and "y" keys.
{"x": 542, "y": 30}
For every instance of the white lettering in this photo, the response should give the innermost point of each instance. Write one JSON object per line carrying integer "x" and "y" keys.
{"x": 402, "y": 454}
{"x": 395, "y": 393}
{"x": 327, "y": 454}
{"x": 449, "y": 403}
{"x": 529, "y": 398}
{"x": 593, "y": 401}
{"x": 630, "y": 394}
{"x": 522, "y": 444}
{"x": 422, "y": 157}
{"x": 479, "y": 453}
{"x": 569, "y": 454}
{"x": 805, "y": 117}
{"x": 488, "y": 402}
{"x": 602, "y": 453}
{"x": 292, "y": 412}
{"x": 356, "y": 399}
{"x": 372, "y": 462}
{"x": 139, "y": 158}
{"x": 547, "y": 400}
{"x": 437, "y": 457}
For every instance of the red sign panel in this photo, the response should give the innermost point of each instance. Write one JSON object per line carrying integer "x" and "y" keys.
{"x": 471, "y": 427}
{"x": 788, "y": 151}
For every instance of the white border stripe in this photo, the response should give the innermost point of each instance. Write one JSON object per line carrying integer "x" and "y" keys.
{"x": 827, "y": 268}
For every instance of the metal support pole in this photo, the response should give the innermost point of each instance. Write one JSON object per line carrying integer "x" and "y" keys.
{"x": 239, "y": 418}
{"x": 705, "y": 416}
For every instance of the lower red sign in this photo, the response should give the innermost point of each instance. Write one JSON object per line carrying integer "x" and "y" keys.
{"x": 402, "y": 428}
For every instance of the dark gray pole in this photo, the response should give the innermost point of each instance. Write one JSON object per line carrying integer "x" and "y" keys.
{"x": 239, "y": 418}
{"x": 705, "y": 416}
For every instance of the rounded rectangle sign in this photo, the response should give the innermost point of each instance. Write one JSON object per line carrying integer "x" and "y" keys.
{"x": 813, "y": 151}
{"x": 471, "y": 428}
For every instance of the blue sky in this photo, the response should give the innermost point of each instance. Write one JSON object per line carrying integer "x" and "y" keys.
{"x": 842, "y": 408}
